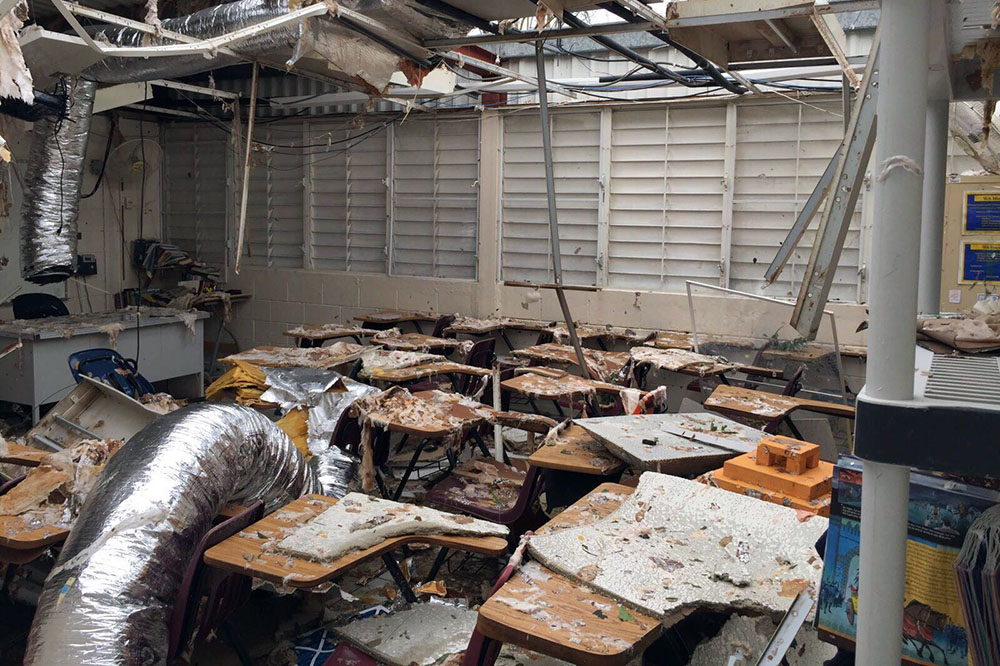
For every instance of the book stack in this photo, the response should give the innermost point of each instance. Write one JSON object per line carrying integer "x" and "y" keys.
{"x": 976, "y": 576}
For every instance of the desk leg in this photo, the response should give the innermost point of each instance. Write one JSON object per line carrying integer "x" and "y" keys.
{"x": 416, "y": 325}
{"x": 480, "y": 443}
{"x": 792, "y": 427}
{"x": 215, "y": 347}
{"x": 409, "y": 469}
{"x": 397, "y": 575}
{"x": 438, "y": 563}
{"x": 601, "y": 343}
{"x": 506, "y": 340}
{"x": 309, "y": 343}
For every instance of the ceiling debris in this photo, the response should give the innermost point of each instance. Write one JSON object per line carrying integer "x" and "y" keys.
{"x": 677, "y": 545}
{"x": 15, "y": 83}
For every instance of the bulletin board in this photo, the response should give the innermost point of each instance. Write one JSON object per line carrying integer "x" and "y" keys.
{"x": 970, "y": 269}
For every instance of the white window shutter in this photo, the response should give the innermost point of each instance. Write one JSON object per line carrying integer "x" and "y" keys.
{"x": 524, "y": 208}
{"x": 195, "y": 187}
{"x": 781, "y": 151}
{"x": 275, "y": 210}
{"x": 347, "y": 208}
{"x": 667, "y": 173}
{"x": 435, "y": 197}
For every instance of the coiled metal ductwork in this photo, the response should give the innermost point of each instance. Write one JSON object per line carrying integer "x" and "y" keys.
{"x": 52, "y": 186}
{"x": 205, "y": 24}
{"x": 109, "y": 597}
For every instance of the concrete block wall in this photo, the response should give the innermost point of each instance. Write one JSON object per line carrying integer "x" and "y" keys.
{"x": 286, "y": 298}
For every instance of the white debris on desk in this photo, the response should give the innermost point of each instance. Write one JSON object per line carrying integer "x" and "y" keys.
{"x": 359, "y": 521}
{"x": 677, "y": 545}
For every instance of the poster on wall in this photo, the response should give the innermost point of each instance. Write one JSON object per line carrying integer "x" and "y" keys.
{"x": 941, "y": 511}
{"x": 981, "y": 214}
{"x": 980, "y": 262}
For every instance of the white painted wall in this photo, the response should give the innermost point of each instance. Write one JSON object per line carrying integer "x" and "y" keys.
{"x": 101, "y": 216}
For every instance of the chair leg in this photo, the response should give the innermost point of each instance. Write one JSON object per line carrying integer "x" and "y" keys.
{"x": 229, "y": 635}
{"x": 397, "y": 575}
{"x": 438, "y": 563}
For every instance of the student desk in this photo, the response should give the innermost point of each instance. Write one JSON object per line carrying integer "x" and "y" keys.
{"x": 170, "y": 346}
{"x": 564, "y": 355}
{"x": 770, "y": 407}
{"x": 384, "y": 319}
{"x": 418, "y": 342}
{"x": 245, "y": 553}
{"x": 557, "y": 632}
{"x": 316, "y": 335}
{"x": 575, "y": 450}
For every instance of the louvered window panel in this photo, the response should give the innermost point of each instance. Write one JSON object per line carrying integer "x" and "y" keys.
{"x": 781, "y": 152}
{"x": 666, "y": 196}
{"x": 195, "y": 210}
{"x": 347, "y": 195}
{"x": 435, "y": 197}
{"x": 275, "y": 203}
{"x": 525, "y": 230}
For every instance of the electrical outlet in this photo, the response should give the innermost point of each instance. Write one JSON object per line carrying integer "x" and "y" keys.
{"x": 86, "y": 264}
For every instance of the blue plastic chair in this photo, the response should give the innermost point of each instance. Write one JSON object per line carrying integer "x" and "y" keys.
{"x": 110, "y": 367}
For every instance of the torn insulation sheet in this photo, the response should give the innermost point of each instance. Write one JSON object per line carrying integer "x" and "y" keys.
{"x": 16, "y": 80}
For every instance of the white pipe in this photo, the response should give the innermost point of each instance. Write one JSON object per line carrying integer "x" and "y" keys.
{"x": 895, "y": 255}
{"x": 242, "y": 224}
{"x": 932, "y": 216}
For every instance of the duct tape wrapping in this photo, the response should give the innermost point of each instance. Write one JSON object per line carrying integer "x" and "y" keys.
{"x": 294, "y": 388}
{"x": 337, "y": 472}
{"x": 109, "y": 598}
{"x": 52, "y": 186}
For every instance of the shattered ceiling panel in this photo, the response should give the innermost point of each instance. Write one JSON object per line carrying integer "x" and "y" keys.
{"x": 677, "y": 545}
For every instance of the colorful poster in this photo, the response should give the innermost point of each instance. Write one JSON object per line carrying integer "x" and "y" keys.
{"x": 982, "y": 213}
{"x": 980, "y": 262}
{"x": 941, "y": 512}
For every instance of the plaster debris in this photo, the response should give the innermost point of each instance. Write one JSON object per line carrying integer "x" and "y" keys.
{"x": 375, "y": 360}
{"x": 321, "y": 358}
{"x": 162, "y": 403}
{"x": 749, "y": 635}
{"x": 358, "y": 522}
{"x": 685, "y": 523}
{"x": 676, "y": 360}
{"x": 112, "y": 331}
{"x": 678, "y": 443}
{"x": 53, "y": 493}
{"x": 423, "y": 635}
{"x": 16, "y": 81}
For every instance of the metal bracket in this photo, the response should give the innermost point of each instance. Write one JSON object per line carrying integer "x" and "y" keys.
{"x": 783, "y": 636}
{"x": 846, "y": 184}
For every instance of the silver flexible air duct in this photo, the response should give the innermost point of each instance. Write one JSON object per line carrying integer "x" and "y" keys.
{"x": 110, "y": 595}
{"x": 205, "y": 24}
{"x": 340, "y": 47}
{"x": 52, "y": 186}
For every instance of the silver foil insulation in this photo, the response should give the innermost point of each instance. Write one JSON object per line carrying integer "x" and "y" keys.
{"x": 208, "y": 23}
{"x": 109, "y": 598}
{"x": 52, "y": 186}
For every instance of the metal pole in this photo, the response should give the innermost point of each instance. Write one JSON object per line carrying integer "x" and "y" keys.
{"x": 242, "y": 223}
{"x": 902, "y": 113}
{"x": 550, "y": 190}
{"x": 932, "y": 218}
